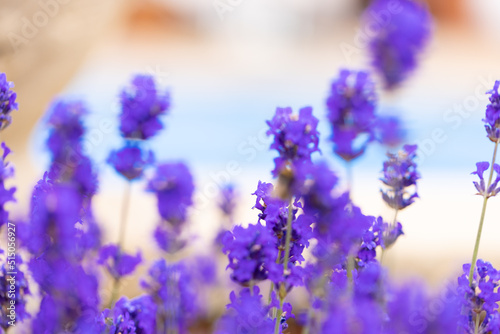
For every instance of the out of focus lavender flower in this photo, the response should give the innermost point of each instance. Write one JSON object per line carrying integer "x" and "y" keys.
{"x": 227, "y": 201}
{"x": 399, "y": 175}
{"x": 130, "y": 161}
{"x": 117, "y": 262}
{"x": 351, "y": 112}
{"x": 136, "y": 315}
{"x": 13, "y": 312}
{"x": 479, "y": 304}
{"x": 168, "y": 239}
{"x": 295, "y": 137}
{"x": 70, "y": 299}
{"x": 338, "y": 222}
{"x": 389, "y": 131}
{"x": 494, "y": 189}
{"x": 69, "y": 164}
{"x": 399, "y": 39}
{"x": 142, "y": 105}
{"x": 252, "y": 253}
{"x": 6, "y": 194}
{"x": 492, "y": 117}
{"x": 246, "y": 314}
{"x": 7, "y": 101}
{"x": 172, "y": 289}
{"x": 174, "y": 187}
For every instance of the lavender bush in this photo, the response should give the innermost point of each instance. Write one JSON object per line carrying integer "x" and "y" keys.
{"x": 308, "y": 235}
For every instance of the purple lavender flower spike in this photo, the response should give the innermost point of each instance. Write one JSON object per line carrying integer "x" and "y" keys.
{"x": 6, "y": 194}
{"x": 351, "y": 112}
{"x": 130, "y": 161}
{"x": 399, "y": 40}
{"x": 172, "y": 289}
{"x": 118, "y": 263}
{"x": 494, "y": 189}
{"x": 399, "y": 174}
{"x": 7, "y": 101}
{"x": 492, "y": 117}
{"x": 168, "y": 239}
{"x": 295, "y": 137}
{"x": 137, "y": 315}
{"x": 389, "y": 131}
{"x": 227, "y": 202}
{"x": 480, "y": 299}
{"x": 174, "y": 187}
{"x": 69, "y": 164}
{"x": 246, "y": 314}
{"x": 142, "y": 105}
{"x": 252, "y": 253}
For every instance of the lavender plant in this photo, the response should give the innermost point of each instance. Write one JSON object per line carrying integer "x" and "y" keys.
{"x": 308, "y": 235}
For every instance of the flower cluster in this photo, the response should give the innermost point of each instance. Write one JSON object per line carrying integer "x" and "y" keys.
{"x": 246, "y": 314}
{"x": 479, "y": 303}
{"x": 7, "y": 101}
{"x": 399, "y": 175}
{"x": 295, "y": 137}
{"x": 172, "y": 289}
{"x": 142, "y": 105}
{"x": 492, "y": 118}
{"x": 481, "y": 186}
{"x": 117, "y": 262}
{"x": 129, "y": 316}
{"x": 398, "y": 40}
{"x": 173, "y": 185}
{"x": 351, "y": 112}
{"x": 252, "y": 253}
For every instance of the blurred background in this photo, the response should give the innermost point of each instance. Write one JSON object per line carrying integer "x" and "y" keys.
{"x": 227, "y": 69}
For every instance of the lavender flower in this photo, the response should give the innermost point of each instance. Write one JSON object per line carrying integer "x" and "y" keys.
{"x": 118, "y": 263}
{"x": 130, "y": 161}
{"x": 168, "y": 240}
{"x": 246, "y": 314}
{"x": 252, "y": 253}
{"x": 395, "y": 46}
{"x": 274, "y": 212}
{"x": 400, "y": 173}
{"x": 389, "y": 131}
{"x": 6, "y": 194}
{"x": 351, "y": 112}
{"x": 137, "y": 315}
{"x": 295, "y": 137}
{"x": 494, "y": 189}
{"x": 173, "y": 292}
{"x": 227, "y": 203}
{"x": 142, "y": 105}
{"x": 174, "y": 187}
{"x": 492, "y": 118}
{"x": 479, "y": 304}
{"x": 69, "y": 164}
{"x": 7, "y": 101}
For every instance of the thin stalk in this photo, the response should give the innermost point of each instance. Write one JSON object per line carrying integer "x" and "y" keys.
{"x": 481, "y": 220}
{"x": 121, "y": 239}
{"x": 285, "y": 263}
{"x": 476, "y": 328}
{"x": 394, "y": 222}
{"x": 123, "y": 216}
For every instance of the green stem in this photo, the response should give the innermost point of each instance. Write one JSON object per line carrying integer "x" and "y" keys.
{"x": 121, "y": 238}
{"x": 123, "y": 216}
{"x": 286, "y": 259}
{"x": 481, "y": 220}
{"x": 476, "y": 328}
